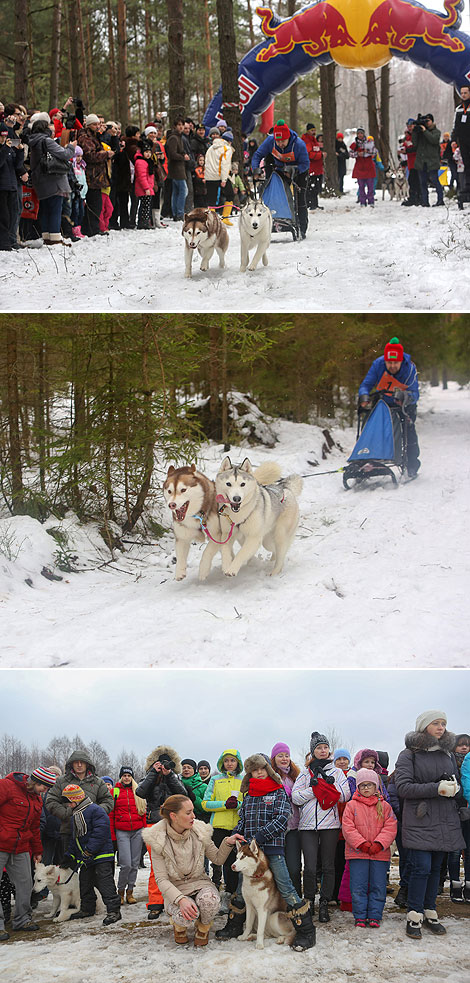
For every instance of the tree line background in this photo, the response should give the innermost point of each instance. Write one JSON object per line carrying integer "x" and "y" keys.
{"x": 131, "y": 59}
{"x": 91, "y": 415}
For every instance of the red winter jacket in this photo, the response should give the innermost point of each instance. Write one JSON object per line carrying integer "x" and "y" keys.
{"x": 20, "y": 812}
{"x": 315, "y": 153}
{"x": 364, "y": 151}
{"x": 361, "y": 822}
{"x": 125, "y": 813}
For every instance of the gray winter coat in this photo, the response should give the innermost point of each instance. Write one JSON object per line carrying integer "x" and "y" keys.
{"x": 427, "y": 144}
{"x": 47, "y": 185}
{"x": 429, "y": 821}
{"x": 95, "y": 788}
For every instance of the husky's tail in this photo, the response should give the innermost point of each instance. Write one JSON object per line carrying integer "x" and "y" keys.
{"x": 294, "y": 483}
{"x": 267, "y": 473}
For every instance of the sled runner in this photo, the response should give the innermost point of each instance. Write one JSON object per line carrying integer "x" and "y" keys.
{"x": 280, "y": 194}
{"x": 380, "y": 442}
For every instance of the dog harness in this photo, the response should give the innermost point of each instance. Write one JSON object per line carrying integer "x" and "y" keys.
{"x": 201, "y": 517}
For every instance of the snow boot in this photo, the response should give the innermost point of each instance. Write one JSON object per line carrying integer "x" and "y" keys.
{"x": 81, "y": 914}
{"x": 456, "y": 892}
{"x": 360, "y": 923}
{"x": 121, "y": 896}
{"x": 154, "y": 912}
{"x": 431, "y": 921}
{"x": 4, "y": 936}
{"x": 130, "y": 897}
{"x": 401, "y": 896}
{"x": 29, "y": 927}
{"x": 77, "y": 232}
{"x": 157, "y": 222}
{"x": 201, "y": 935}
{"x": 466, "y": 892}
{"x": 373, "y": 923}
{"x": 234, "y": 924}
{"x": 414, "y": 921}
{"x": 323, "y": 913}
{"x": 304, "y": 928}
{"x": 112, "y": 917}
{"x": 227, "y": 213}
{"x": 180, "y": 933}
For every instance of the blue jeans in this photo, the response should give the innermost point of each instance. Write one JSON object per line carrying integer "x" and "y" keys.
{"x": 50, "y": 213}
{"x": 277, "y": 863}
{"x": 453, "y": 859}
{"x": 424, "y": 176}
{"x": 178, "y": 198}
{"x": 368, "y": 883}
{"x": 423, "y": 881}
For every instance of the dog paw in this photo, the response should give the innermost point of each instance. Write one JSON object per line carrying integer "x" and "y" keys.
{"x": 230, "y": 573}
{"x": 180, "y": 576}
{"x": 187, "y": 276}
{"x": 260, "y": 945}
{"x": 242, "y": 269}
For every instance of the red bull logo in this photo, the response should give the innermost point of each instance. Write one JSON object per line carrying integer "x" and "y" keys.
{"x": 399, "y": 24}
{"x": 359, "y": 33}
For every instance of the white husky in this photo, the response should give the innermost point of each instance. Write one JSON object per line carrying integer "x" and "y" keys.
{"x": 203, "y": 231}
{"x": 263, "y": 508}
{"x": 64, "y": 885}
{"x": 256, "y": 223}
{"x": 262, "y": 898}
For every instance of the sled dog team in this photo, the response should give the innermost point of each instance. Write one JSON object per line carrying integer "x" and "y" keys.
{"x": 205, "y": 232}
{"x": 253, "y": 507}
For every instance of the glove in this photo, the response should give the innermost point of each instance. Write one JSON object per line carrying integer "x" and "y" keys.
{"x": 68, "y": 863}
{"x": 448, "y": 787}
{"x": 375, "y": 848}
{"x": 365, "y": 846}
{"x": 231, "y": 802}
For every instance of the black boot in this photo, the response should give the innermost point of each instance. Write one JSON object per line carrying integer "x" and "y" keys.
{"x": 303, "y": 925}
{"x": 323, "y": 913}
{"x": 81, "y": 914}
{"x": 112, "y": 917}
{"x": 234, "y": 924}
{"x": 154, "y": 911}
{"x": 401, "y": 896}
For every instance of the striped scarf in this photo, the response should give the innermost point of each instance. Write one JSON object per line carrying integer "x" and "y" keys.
{"x": 79, "y": 823}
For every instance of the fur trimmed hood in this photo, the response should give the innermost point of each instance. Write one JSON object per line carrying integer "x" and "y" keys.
{"x": 155, "y": 836}
{"x": 257, "y": 761}
{"x": 421, "y": 741}
{"x": 163, "y": 749}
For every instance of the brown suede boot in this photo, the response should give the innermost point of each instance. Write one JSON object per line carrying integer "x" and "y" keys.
{"x": 121, "y": 896}
{"x": 130, "y": 897}
{"x": 201, "y": 935}
{"x": 180, "y": 933}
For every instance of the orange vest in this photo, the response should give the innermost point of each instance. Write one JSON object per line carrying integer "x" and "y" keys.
{"x": 389, "y": 382}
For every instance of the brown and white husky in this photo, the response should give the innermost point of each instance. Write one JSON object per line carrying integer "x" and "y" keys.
{"x": 203, "y": 230}
{"x": 191, "y": 497}
{"x": 263, "y": 901}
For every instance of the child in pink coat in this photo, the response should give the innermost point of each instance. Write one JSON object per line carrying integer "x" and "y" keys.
{"x": 369, "y": 828}
{"x": 144, "y": 182}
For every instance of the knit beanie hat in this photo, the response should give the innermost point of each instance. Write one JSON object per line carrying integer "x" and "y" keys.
{"x": 44, "y": 117}
{"x": 316, "y": 739}
{"x": 360, "y": 129}
{"x": 74, "y": 793}
{"x": 91, "y": 118}
{"x": 310, "y": 126}
{"x": 366, "y": 775}
{"x": 427, "y": 718}
{"x": 281, "y": 131}
{"x": 214, "y": 131}
{"x": 150, "y": 129}
{"x": 126, "y": 770}
{"x": 341, "y": 752}
{"x": 228, "y": 135}
{"x": 107, "y": 778}
{"x": 393, "y": 351}
{"x": 203, "y": 762}
{"x": 189, "y": 761}
{"x": 280, "y": 748}
{"x": 43, "y": 776}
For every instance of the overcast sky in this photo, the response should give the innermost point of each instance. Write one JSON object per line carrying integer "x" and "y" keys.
{"x": 202, "y": 712}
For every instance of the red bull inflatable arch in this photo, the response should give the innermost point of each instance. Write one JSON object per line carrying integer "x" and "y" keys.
{"x": 357, "y": 34}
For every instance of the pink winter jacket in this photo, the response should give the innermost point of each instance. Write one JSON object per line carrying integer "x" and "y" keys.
{"x": 143, "y": 181}
{"x": 361, "y": 822}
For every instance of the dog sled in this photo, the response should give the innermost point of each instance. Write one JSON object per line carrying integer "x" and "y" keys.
{"x": 381, "y": 442}
{"x": 280, "y": 194}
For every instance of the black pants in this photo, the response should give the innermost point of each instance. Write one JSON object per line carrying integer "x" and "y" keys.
{"x": 93, "y": 205}
{"x": 230, "y": 876}
{"x": 315, "y": 182}
{"x": 415, "y": 187}
{"x": 340, "y": 864}
{"x": 412, "y": 438}
{"x": 145, "y": 212}
{"x": 301, "y": 181}
{"x": 313, "y": 842}
{"x": 99, "y": 875}
{"x": 8, "y": 216}
{"x": 294, "y": 858}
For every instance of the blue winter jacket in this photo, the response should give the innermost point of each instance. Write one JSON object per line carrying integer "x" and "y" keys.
{"x": 97, "y": 839}
{"x": 407, "y": 376}
{"x": 11, "y": 167}
{"x": 465, "y": 777}
{"x": 296, "y": 147}
{"x": 264, "y": 818}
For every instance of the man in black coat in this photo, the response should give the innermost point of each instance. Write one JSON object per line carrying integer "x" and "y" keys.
{"x": 461, "y": 131}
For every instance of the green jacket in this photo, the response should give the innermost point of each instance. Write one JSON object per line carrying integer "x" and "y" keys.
{"x": 95, "y": 788}
{"x": 198, "y": 788}
{"x": 427, "y": 143}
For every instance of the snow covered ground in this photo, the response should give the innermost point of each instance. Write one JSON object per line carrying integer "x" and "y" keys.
{"x": 138, "y": 951}
{"x": 387, "y": 259}
{"x": 376, "y": 576}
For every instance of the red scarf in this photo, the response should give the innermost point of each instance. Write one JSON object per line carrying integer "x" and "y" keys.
{"x": 261, "y": 786}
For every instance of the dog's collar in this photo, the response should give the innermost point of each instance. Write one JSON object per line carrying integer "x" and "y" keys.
{"x": 201, "y": 517}
{"x": 58, "y": 881}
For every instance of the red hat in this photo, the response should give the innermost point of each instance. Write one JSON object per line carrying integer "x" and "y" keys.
{"x": 339, "y": 135}
{"x": 53, "y": 112}
{"x": 393, "y": 351}
{"x": 281, "y": 132}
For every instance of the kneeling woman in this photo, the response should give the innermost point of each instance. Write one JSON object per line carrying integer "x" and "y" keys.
{"x": 179, "y": 845}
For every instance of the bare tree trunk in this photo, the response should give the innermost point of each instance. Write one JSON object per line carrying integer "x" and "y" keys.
{"x": 13, "y": 420}
{"x": 137, "y": 53}
{"x": 372, "y": 107}
{"x": 41, "y": 420}
{"x": 328, "y": 112}
{"x": 74, "y": 48}
{"x": 31, "y": 61}
{"x": 83, "y": 72}
{"x": 55, "y": 53}
{"x": 208, "y": 50}
{"x": 149, "y": 440}
{"x": 123, "y": 81}
{"x": 385, "y": 114}
{"x": 250, "y": 24}
{"x": 112, "y": 61}
{"x": 294, "y": 89}
{"x": 229, "y": 75}
{"x": 148, "y": 60}
{"x": 21, "y": 51}
{"x": 176, "y": 86}
{"x": 90, "y": 58}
